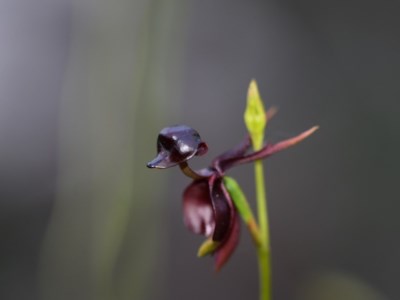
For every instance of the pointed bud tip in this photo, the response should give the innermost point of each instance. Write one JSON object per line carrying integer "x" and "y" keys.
{"x": 255, "y": 116}
{"x": 253, "y": 89}
{"x": 253, "y": 94}
{"x": 254, "y": 102}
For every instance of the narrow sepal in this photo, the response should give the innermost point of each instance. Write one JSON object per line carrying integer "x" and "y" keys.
{"x": 270, "y": 149}
{"x": 271, "y": 112}
{"x": 223, "y": 208}
{"x": 223, "y": 161}
{"x": 207, "y": 247}
{"x": 223, "y": 253}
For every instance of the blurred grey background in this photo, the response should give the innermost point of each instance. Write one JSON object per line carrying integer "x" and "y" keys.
{"x": 86, "y": 85}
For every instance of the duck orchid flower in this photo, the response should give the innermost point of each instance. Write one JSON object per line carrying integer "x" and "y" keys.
{"x": 208, "y": 208}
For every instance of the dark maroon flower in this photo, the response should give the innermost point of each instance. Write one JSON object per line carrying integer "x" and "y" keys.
{"x": 207, "y": 206}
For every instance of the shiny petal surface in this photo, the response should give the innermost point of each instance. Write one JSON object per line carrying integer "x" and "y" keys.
{"x": 177, "y": 144}
{"x": 223, "y": 208}
{"x": 224, "y": 252}
{"x": 162, "y": 161}
{"x": 198, "y": 211}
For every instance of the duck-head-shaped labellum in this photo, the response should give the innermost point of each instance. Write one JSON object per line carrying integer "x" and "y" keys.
{"x": 175, "y": 145}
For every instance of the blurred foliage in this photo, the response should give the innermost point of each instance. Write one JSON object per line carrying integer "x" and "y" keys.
{"x": 333, "y": 200}
{"x": 336, "y": 285}
{"x": 104, "y": 238}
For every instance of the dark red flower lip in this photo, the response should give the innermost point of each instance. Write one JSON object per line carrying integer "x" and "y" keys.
{"x": 208, "y": 195}
{"x": 198, "y": 214}
{"x": 208, "y": 210}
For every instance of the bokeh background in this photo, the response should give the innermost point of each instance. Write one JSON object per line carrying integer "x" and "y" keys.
{"x": 86, "y": 85}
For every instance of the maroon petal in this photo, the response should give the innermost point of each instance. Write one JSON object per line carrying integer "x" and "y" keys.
{"x": 270, "y": 149}
{"x": 224, "y": 252}
{"x": 224, "y": 159}
{"x": 198, "y": 211}
{"x": 223, "y": 208}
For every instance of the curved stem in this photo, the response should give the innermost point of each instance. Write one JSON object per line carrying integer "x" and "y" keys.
{"x": 189, "y": 172}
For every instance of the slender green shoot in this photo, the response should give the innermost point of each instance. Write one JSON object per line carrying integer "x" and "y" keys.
{"x": 256, "y": 120}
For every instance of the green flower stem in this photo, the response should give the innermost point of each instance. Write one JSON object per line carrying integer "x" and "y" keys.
{"x": 184, "y": 166}
{"x": 255, "y": 119}
{"x": 264, "y": 249}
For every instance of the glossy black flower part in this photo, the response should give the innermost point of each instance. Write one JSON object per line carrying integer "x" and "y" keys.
{"x": 207, "y": 206}
{"x": 175, "y": 145}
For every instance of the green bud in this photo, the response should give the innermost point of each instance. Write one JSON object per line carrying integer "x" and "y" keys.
{"x": 255, "y": 116}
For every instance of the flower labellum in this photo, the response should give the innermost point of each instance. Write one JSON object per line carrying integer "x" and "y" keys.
{"x": 176, "y": 145}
